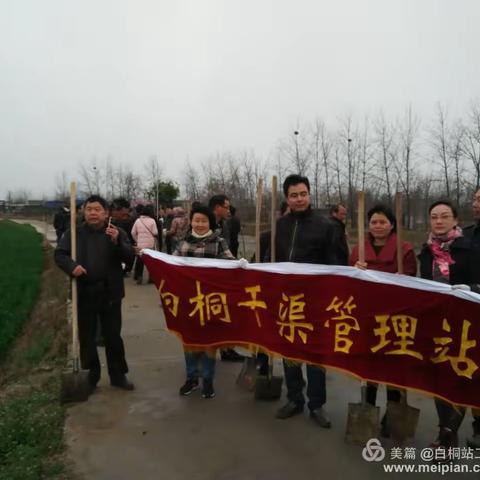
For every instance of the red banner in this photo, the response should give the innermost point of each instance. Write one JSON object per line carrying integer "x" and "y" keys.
{"x": 384, "y": 328}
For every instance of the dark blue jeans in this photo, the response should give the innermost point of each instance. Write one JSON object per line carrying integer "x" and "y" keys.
{"x": 206, "y": 362}
{"x": 316, "y": 388}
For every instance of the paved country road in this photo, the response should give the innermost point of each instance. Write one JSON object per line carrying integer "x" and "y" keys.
{"x": 153, "y": 433}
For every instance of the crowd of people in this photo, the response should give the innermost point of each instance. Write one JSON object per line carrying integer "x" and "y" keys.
{"x": 108, "y": 250}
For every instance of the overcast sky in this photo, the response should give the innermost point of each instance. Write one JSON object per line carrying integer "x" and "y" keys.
{"x": 178, "y": 78}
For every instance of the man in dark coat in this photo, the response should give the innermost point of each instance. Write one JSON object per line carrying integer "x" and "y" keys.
{"x": 338, "y": 215}
{"x": 304, "y": 236}
{"x": 472, "y": 232}
{"x": 101, "y": 250}
{"x": 234, "y": 228}
{"x": 61, "y": 221}
{"x": 121, "y": 217}
{"x": 220, "y": 207}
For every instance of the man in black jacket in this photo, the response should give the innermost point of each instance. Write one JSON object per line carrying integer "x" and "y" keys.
{"x": 304, "y": 236}
{"x": 472, "y": 232}
{"x": 338, "y": 215}
{"x": 220, "y": 207}
{"x": 101, "y": 249}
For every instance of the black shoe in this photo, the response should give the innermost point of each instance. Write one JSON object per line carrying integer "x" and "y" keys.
{"x": 289, "y": 410}
{"x": 385, "y": 429}
{"x": 230, "y": 355}
{"x": 93, "y": 377}
{"x": 189, "y": 386}
{"x": 207, "y": 390}
{"x": 122, "y": 382}
{"x": 474, "y": 441}
{"x": 320, "y": 417}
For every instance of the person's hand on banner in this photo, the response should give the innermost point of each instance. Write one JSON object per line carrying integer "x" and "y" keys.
{"x": 361, "y": 265}
{"x": 242, "y": 262}
{"x": 78, "y": 271}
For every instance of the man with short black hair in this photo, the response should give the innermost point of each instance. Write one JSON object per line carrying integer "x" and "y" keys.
{"x": 102, "y": 248}
{"x": 338, "y": 216}
{"x": 304, "y": 236}
{"x": 121, "y": 217}
{"x": 220, "y": 206}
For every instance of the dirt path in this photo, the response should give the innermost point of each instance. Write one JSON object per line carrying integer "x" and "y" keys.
{"x": 153, "y": 433}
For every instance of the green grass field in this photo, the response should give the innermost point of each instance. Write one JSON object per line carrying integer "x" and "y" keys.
{"x": 31, "y": 417}
{"x": 21, "y": 263}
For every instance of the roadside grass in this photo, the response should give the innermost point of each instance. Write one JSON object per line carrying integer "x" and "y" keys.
{"x": 33, "y": 296}
{"x": 31, "y": 435}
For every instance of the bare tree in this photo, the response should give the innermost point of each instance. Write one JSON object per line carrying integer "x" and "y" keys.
{"x": 408, "y": 133}
{"x": 154, "y": 174}
{"x": 61, "y": 186}
{"x": 385, "y": 143}
{"x": 456, "y": 154}
{"x": 439, "y": 134}
{"x": 320, "y": 155}
{"x": 471, "y": 143}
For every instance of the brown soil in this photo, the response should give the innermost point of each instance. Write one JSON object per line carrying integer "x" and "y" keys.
{"x": 48, "y": 318}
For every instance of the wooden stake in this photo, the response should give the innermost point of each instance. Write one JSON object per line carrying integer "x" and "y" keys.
{"x": 257, "y": 220}
{"x": 361, "y": 226}
{"x": 399, "y": 215}
{"x": 273, "y": 219}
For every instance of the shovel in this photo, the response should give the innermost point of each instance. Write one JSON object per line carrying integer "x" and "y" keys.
{"x": 363, "y": 421}
{"x": 247, "y": 375}
{"x": 75, "y": 386}
{"x": 268, "y": 387}
{"x": 402, "y": 419}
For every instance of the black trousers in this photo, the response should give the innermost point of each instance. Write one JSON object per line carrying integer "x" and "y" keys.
{"x": 138, "y": 272}
{"x": 316, "y": 387}
{"x": 109, "y": 315}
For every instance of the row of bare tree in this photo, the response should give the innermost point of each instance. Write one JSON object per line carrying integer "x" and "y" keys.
{"x": 379, "y": 156}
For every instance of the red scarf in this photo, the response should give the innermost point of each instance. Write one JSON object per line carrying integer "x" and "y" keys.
{"x": 440, "y": 248}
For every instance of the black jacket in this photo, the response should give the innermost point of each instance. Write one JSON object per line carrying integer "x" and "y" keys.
{"x": 465, "y": 270}
{"x": 305, "y": 237}
{"x": 340, "y": 241}
{"x": 472, "y": 233}
{"x": 100, "y": 257}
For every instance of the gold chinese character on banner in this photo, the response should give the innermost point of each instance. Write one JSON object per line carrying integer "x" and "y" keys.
{"x": 461, "y": 364}
{"x": 291, "y": 313}
{"x": 345, "y": 322}
{"x": 253, "y": 304}
{"x": 207, "y": 306}
{"x": 404, "y": 329}
{"x": 169, "y": 300}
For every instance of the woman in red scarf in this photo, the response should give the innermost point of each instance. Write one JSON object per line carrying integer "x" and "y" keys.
{"x": 448, "y": 257}
{"x": 381, "y": 255}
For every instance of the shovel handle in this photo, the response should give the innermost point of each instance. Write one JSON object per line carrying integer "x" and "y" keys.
{"x": 361, "y": 226}
{"x": 73, "y": 252}
{"x": 399, "y": 215}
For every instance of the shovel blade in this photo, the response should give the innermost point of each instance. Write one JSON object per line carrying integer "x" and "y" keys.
{"x": 268, "y": 388}
{"x": 363, "y": 423}
{"x": 402, "y": 420}
{"x": 248, "y": 374}
{"x": 75, "y": 387}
